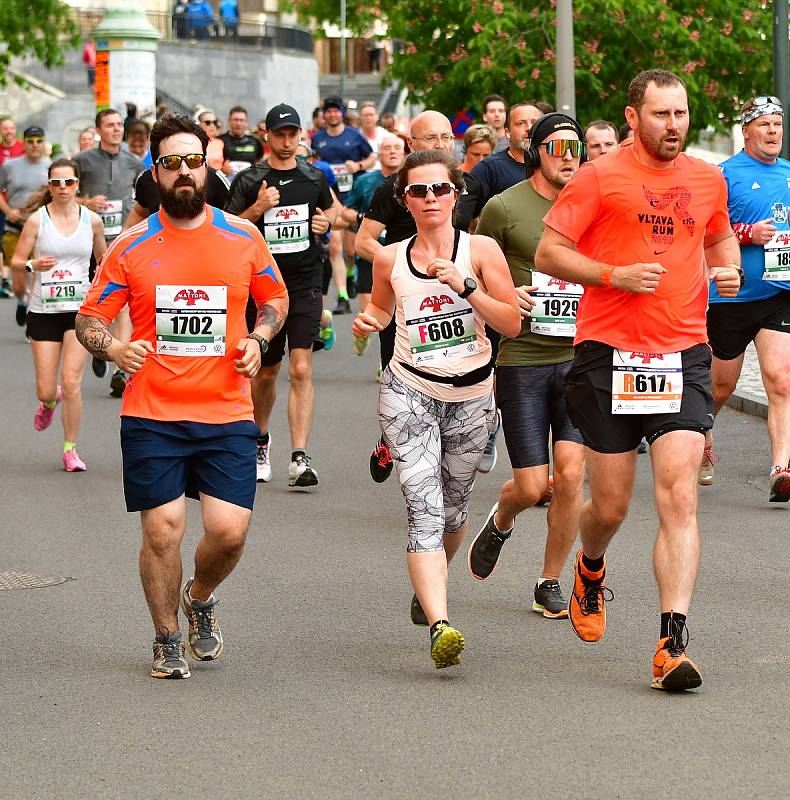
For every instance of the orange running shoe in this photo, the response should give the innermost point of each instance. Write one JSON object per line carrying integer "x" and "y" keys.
{"x": 673, "y": 670}
{"x": 587, "y": 610}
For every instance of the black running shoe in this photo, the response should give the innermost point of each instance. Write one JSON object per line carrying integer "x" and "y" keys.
{"x": 417, "y": 614}
{"x": 380, "y": 462}
{"x": 117, "y": 383}
{"x": 485, "y": 548}
{"x": 99, "y": 367}
{"x": 549, "y": 600}
{"x": 342, "y": 307}
{"x": 351, "y": 287}
{"x": 21, "y": 314}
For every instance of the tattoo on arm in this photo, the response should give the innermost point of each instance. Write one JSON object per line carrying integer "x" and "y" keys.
{"x": 272, "y": 317}
{"x": 94, "y": 335}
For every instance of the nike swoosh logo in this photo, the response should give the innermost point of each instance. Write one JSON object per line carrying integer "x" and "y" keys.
{"x": 659, "y": 252}
{"x": 287, "y": 114}
{"x": 290, "y": 180}
{"x": 786, "y": 324}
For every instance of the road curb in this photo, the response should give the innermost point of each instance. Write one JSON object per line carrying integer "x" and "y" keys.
{"x": 748, "y": 403}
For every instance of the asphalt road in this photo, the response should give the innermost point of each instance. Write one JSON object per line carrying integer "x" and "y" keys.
{"x": 326, "y": 690}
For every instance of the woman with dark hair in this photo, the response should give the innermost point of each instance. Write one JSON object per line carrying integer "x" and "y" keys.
{"x": 61, "y": 235}
{"x": 435, "y": 402}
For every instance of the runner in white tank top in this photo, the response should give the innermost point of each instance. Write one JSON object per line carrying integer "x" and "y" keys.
{"x": 60, "y": 235}
{"x": 435, "y": 402}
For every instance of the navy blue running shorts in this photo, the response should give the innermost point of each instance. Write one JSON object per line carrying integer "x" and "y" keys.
{"x": 163, "y": 460}
{"x": 532, "y": 402}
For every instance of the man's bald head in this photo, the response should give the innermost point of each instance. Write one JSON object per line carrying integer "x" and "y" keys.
{"x": 431, "y": 130}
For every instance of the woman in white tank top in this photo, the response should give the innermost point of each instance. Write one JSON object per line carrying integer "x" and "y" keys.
{"x": 61, "y": 235}
{"x": 435, "y": 401}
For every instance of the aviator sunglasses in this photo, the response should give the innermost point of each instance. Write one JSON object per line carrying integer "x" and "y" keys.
{"x": 420, "y": 190}
{"x": 559, "y": 147}
{"x": 193, "y": 161}
{"x": 62, "y": 181}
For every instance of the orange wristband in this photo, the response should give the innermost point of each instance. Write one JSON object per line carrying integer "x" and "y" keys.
{"x": 606, "y": 277}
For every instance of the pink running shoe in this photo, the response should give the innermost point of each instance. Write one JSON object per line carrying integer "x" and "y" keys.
{"x": 72, "y": 462}
{"x": 43, "y": 417}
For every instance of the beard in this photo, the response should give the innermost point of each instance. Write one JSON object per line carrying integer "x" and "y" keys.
{"x": 659, "y": 148}
{"x": 180, "y": 204}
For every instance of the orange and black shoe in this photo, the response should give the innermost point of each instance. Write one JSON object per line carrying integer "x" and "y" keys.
{"x": 673, "y": 670}
{"x": 779, "y": 485}
{"x": 587, "y": 607}
{"x": 380, "y": 462}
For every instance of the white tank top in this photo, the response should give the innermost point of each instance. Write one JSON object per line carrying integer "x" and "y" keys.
{"x": 62, "y": 288}
{"x": 437, "y": 331}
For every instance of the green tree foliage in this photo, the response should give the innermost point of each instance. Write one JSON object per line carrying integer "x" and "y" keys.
{"x": 39, "y": 28}
{"x": 457, "y": 51}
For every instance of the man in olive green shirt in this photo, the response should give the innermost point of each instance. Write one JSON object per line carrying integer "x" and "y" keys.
{"x": 531, "y": 368}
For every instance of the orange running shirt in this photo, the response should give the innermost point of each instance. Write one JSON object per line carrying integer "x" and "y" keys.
{"x": 620, "y": 212}
{"x": 187, "y": 293}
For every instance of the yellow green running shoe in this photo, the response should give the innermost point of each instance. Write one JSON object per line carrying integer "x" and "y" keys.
{"x": 446, "y": 645}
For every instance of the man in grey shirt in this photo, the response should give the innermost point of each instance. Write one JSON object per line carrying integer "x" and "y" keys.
{"x": 107, "y": 178}
{"x": 20, "y": 178}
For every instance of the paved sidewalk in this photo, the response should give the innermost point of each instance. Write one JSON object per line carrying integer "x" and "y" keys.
{"x": 750, "y": 396}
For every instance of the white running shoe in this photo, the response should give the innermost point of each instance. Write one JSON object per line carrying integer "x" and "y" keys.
{"x": 301, "y": 474}
{"x": 263, "y": 466}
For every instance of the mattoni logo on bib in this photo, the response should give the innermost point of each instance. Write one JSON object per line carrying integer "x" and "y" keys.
{"x": 647, "y": 357}
{"x": 191, "y": 296}
{"x": 560, "y": 284}
{"x": 60, "y": 274}
{"x": 435, "y": 303}
{"x": 286, "y": 213}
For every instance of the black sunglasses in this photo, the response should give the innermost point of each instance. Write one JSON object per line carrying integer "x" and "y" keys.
{"x": 211, "y": 122}
{"x": 421, "y": 190}
{"x": 193, "y": 161}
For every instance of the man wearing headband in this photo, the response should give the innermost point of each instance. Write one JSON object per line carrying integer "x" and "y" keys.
{"x": 758, "y": 186}
{"x": 644, "y": 230}
{"x": 347, "y": 151}
{"x": 531, "y": 367}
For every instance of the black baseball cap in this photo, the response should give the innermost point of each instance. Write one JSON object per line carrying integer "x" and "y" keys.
{"x": 33, "y": 130}
{"x": 544, "y": 126}
{"x": 282, "y": 116}
{"x": 334, "y": 102}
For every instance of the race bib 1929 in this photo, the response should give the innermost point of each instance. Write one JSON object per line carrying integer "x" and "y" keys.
{"x": 557, "y": 304}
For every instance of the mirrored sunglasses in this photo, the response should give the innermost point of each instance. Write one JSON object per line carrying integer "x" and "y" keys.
{"x": 193, "y": 161}
{"x": 420, "y": 190}
{"x": 559, "y": 147}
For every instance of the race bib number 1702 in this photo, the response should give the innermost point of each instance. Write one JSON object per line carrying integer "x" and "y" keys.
{"x": 191, "y": 320}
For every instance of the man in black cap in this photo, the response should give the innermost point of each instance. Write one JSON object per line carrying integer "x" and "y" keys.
{"x": 531, "y": 368}
{"x": 291, "y": 203}
{"x": 20, "y": 177}
{"x": 349, "y": 154}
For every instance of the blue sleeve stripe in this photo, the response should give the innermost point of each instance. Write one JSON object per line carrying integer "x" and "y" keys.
{"x": 219, "y": 220}
{"x": 154, "y": 226}
{"x": 268, "y": 271}
{"x": 109, "y": 289}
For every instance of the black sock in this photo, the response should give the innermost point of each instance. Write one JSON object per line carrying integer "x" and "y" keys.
{"x": 436, "y": 625}
{"x": 592, "y": 564}
{"x": 263, "y": 438}
{"x": 296, "y": 453}
{"x": 665, "y": 622}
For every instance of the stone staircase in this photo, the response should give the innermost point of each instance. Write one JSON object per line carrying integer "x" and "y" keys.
{"x": 363, "y": 87}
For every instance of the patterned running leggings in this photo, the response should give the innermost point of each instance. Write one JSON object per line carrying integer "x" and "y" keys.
{"x": 437, "y": 447}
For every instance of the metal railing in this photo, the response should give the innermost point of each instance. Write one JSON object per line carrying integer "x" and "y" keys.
{"x": 265, "y": 35}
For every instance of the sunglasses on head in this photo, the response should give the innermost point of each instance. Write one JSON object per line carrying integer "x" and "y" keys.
{"x": 62, "y": 181}
{"x": 34, "y": 140}
{"x": 420, "y": 190}
{"x": 766, "y": 100}
{"x": 559, "y": 147}
{"x": 193, "y": 161}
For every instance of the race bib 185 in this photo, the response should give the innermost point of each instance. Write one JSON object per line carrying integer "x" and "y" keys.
{"x": 777, "y": 257}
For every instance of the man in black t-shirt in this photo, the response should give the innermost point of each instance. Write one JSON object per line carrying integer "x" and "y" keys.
{"x": 290, "y": 202}
{"x": 242, "y": 149}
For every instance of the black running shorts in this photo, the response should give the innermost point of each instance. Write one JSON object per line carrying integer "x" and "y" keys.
{"x": 302, "y": 326}
{"x": 49, "y": 327}
{"x": 588, "y": 395}
{"x": 532, "y": 402}
{"x": 733, "y": 326}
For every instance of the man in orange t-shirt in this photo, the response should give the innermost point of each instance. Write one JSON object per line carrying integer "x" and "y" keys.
{"x": 637, "y": 227}
{"x": 186, "y": 421}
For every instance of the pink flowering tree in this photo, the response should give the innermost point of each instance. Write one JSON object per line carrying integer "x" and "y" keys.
{"x": 457, "y": 51}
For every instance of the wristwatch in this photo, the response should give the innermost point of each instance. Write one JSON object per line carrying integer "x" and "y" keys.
{"x": 29, "y": 266}
{"x": 262, "y": 343}
{"x": 470, "y": 284}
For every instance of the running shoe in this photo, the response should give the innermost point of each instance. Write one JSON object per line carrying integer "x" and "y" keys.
{"x": 641, "y": 447}
{"x": 263, "y": 464}
{"x": 300, "y": 473}
{"x": 484, "y": 551}
{"x": 547, "y": 498}
{"x": 549, "y": 600}
{"x": 169, "y": 661}
{"x": 361, "y": 345}
{"x": 446, "y": 646}
{"x": 488, "y": 461}
{"x": 21, "y": 314}
{"x": 117, "y": 383}
{"x": 342, "y": 307}
{"x": 707, "y": 471}
{"x": 587, "y": 609}
{"x": 780, "y": 485}
{"x": 327, "y": 329}
{"x": 417, "y": 614}
{"x": 5, "y": 290}
{"x": 42, "y": 419}
{"x": 205, "y": 637}
{"x": 72, "y": 462}
{"x": 351, "y": 286}
{"x": 380, "y": 462}
{"x": 673, "y": 670}
{"x": 99, "y": 367}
